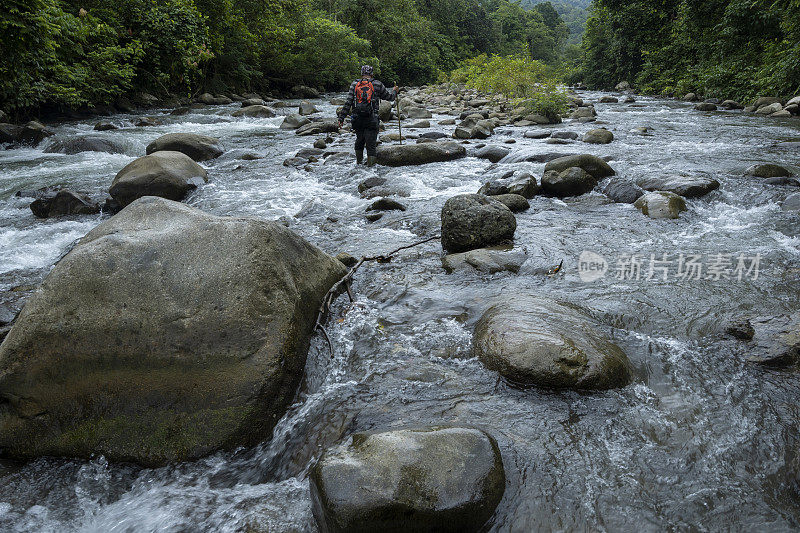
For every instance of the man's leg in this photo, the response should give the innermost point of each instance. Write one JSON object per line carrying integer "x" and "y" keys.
{"x": 360, "y": 142}
{"x": 371, "y": 137}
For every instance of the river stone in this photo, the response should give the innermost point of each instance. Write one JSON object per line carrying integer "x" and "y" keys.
{"x": 768, "y": 170}
{"x": 247, "y": 102}
{"x": 570, "y": 135}
{"x": 165, "y": 334}
{"x": 490, "y": 260}
{"x": 419, "y": 154}
{"x": 769, "y": 109}
{"x": 255, "y": 111}
{"x": 545, "y": 343}
{"x": 63, "y": 202}
{"x": 622, "y": 191}
{"x": 318, "y": 127}
{"x": 386, "y": 204}
{"x": 307, "y": 108}
{"x": 385, "y": 109}
{"x": 765, "y": 101}
{"x": 437, "y": 479}
{"x": 732, "y": 104}
{"x": 77, "y": 145}
{"x": 493, "y": 152}
{"x": 661, "y": 204}
{"x": 686, "y": 186}
{"x": 608, "y": 100}
{"x": 598, "y": 136}
{"x": 515, "y": 202}
{"x": 775, "y": 341}
{"x": 9, "y": 132}
{"x": 590, "y": 163}
{"x": 573, "y": 181}
{"x": 198, "y": 147}
{"x": 518, "y": 182}
{"x": 536, "y": 134}
{"x": 292, "y": 122}
{"x": 472, "y": 221}
{"x": 583, "y": 112}
{"x": 792, "y": 203}
{"x": 166, "y": 174}
{"x": 705, "y": 106}
{"x": 33, "y": 133}
{"x": 783, "y": 113}
{"x": 690, "y": 97}
{"x": 417, "y": 112}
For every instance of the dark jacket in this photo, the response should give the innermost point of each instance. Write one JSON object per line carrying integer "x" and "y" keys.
{"x": 381, "y": 93}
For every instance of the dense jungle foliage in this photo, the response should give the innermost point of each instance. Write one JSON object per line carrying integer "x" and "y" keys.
{"x": 74, "y": 53}
{"x": 723, "y": 48}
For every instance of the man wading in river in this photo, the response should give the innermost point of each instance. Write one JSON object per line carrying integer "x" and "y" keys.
{"x": 364, "y": 99}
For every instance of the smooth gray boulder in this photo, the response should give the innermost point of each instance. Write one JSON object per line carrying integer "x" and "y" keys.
{"x": 515, "y": 202}
{"x": 255, "y": 111}
{"x": 292, "y": 122}
{"x": 598, "y": 136}
{"x": 427, "y": 480}
{"x": 472, "y": 221}
{"x": 686, "y": 186}
{"x": 489, "y": 260}
{"x": 768, "y": 170}
{"x": 590, "y": 163}
{"x": 661, "y": 204}
{"x": 397, "y": 155}
{"x": 198, "y": 147}
{"x": 77, "y": 145}
{"x": 493, "y": 152}
{"x": 622, "y": 191}
{"x": 573, "y": 181}
{"x": 165, "y": 334}
{"x": 317, "y": 127}
{"x": 166, "y": 174}
{"x": 587, "y": 112}
{"x": 538, "y": 341}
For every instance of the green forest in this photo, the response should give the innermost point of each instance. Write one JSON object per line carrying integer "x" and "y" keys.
{"x": 722, "y": 48}
{"x": 73, "y": 53}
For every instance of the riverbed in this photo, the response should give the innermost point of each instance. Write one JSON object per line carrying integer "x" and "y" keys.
{"x": 701, "y": 440}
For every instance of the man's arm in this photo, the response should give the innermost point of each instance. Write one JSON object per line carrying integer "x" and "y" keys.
{"x": 348, "y": 103}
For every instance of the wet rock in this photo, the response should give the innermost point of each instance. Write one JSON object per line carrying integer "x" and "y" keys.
{"x": 145, "y": 122}
{"x": 690, "y": 97}
{"x": 518, "y": 182}
{"x": 472, "y": 221}
{"x": 537, "y": 134}
{"x": 247, "y": 102}
{"x": 772, "y": 341}
{"x": 292, "y": 122}
{"x": 307, "y": 108}
{"x": 598, "y": 136}
{"x": 439, "y": 479}
{"x": 570, "y": 135}
{"x": 320, "y": 144}
{"x": 493, "y": 152}
{"x": 764, "y": 101}
{"x": 792, "y": 203}
{"x": 705, "y": 106}
{"x": 769, "y": 109}
{"x": 420, "y": 124}
{"x": 208, "y": 99}
{"x": 346, "y": 259}
{"x": 590, "y": 163}
{"x": 622, "y": 191}
{"x": 447, "y": 122}
{"x": 105, "y": 125}
{"x": 9, "y": 133}
{"x": 180, "y": 111}
{"x": 732, "y": 104}
{"x": 371, "y": 182}
{"x": 166, "y": 174}
{"x": 198, "y": 147}
{"x": 318, "y": 127}
{"x": 541, "y": 342}
{"x": 768, "y": 170}
{"x": 608, "y": 100}
{"x": 583, "y": 112}
{"x": 386, "y": 204}
{"x": 255, "y": 111}
{"x": 661, "y": 204}
{"x": 309, "y": 154}
{"x": 515, "y": 202}
{"x": 419, "y": 154}
{"x": 297, "y": 162}
{"x": 622, "y": 86}
{"x": 303, "y": 91}
{"x": 628, "y": 100}
{"x": 417, "y": 112}
{"x": 63, "y": 202}
{"x": 783, "y": 113}
{"x": 33, "y": 133}
{"x": 489, "y": 260}
{"x": 740, "y": 329}
{"x": 373, "y": 217}
{"x": 557, "y": 141}
{"x": 686, "y": 186}
{"x": 385, "y": 110}
{"x": 77, "y": 145}
{"x": 573, "y": 181}
{"x": 435, "y": 135}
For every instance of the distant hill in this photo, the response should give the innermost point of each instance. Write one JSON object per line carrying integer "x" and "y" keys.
{"x": 573, "y": 12}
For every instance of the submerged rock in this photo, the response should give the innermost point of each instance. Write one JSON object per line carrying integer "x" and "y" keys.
{"x": 573, "y": 181}
{"x": 63, "y": 202}
{"x": 439, "y": 479}
{"x": 661, "y": 204}
{"x": 545, "y": 343}
{"x": 419, "y": 154}
{"x": 590, "y": 163}
{"x": 166, "y": 174}
{"x": 489, "y": 260}
{"x": 472, "y": 221}
{"x": 164, "y": 335}
{"x": 198, "y": 147}
{"x": 686, "y": 186}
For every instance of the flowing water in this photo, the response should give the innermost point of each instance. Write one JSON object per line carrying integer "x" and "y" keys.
{"x": 701, "y": 440}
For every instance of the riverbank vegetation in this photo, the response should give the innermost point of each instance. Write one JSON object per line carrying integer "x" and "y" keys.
{"x": 73, "y": 53}
{"x": 725, "y": 48}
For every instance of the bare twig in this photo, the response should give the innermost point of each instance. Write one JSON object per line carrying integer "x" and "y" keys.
{"x": 343, "y": 285}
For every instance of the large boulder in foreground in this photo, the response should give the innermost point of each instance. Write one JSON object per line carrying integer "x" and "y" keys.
{"x": 424, "y": 480}
{"x": 590, "y": 163}
{"x": 471, "y": 221}
{"x": 540, "y": 342}
{"x": 166, "y": 174}
{"x": 397, "y": 155}
{"x": 198, "y": 147}
{"x": 164, "y": 335}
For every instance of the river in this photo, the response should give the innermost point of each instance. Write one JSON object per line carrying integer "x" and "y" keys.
{"x": 701, "y": 440}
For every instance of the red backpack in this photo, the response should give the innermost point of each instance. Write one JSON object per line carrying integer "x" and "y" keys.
{"x": 364, "y": 93}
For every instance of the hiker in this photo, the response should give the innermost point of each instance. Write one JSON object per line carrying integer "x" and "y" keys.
{"x": 364, "y": 99}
